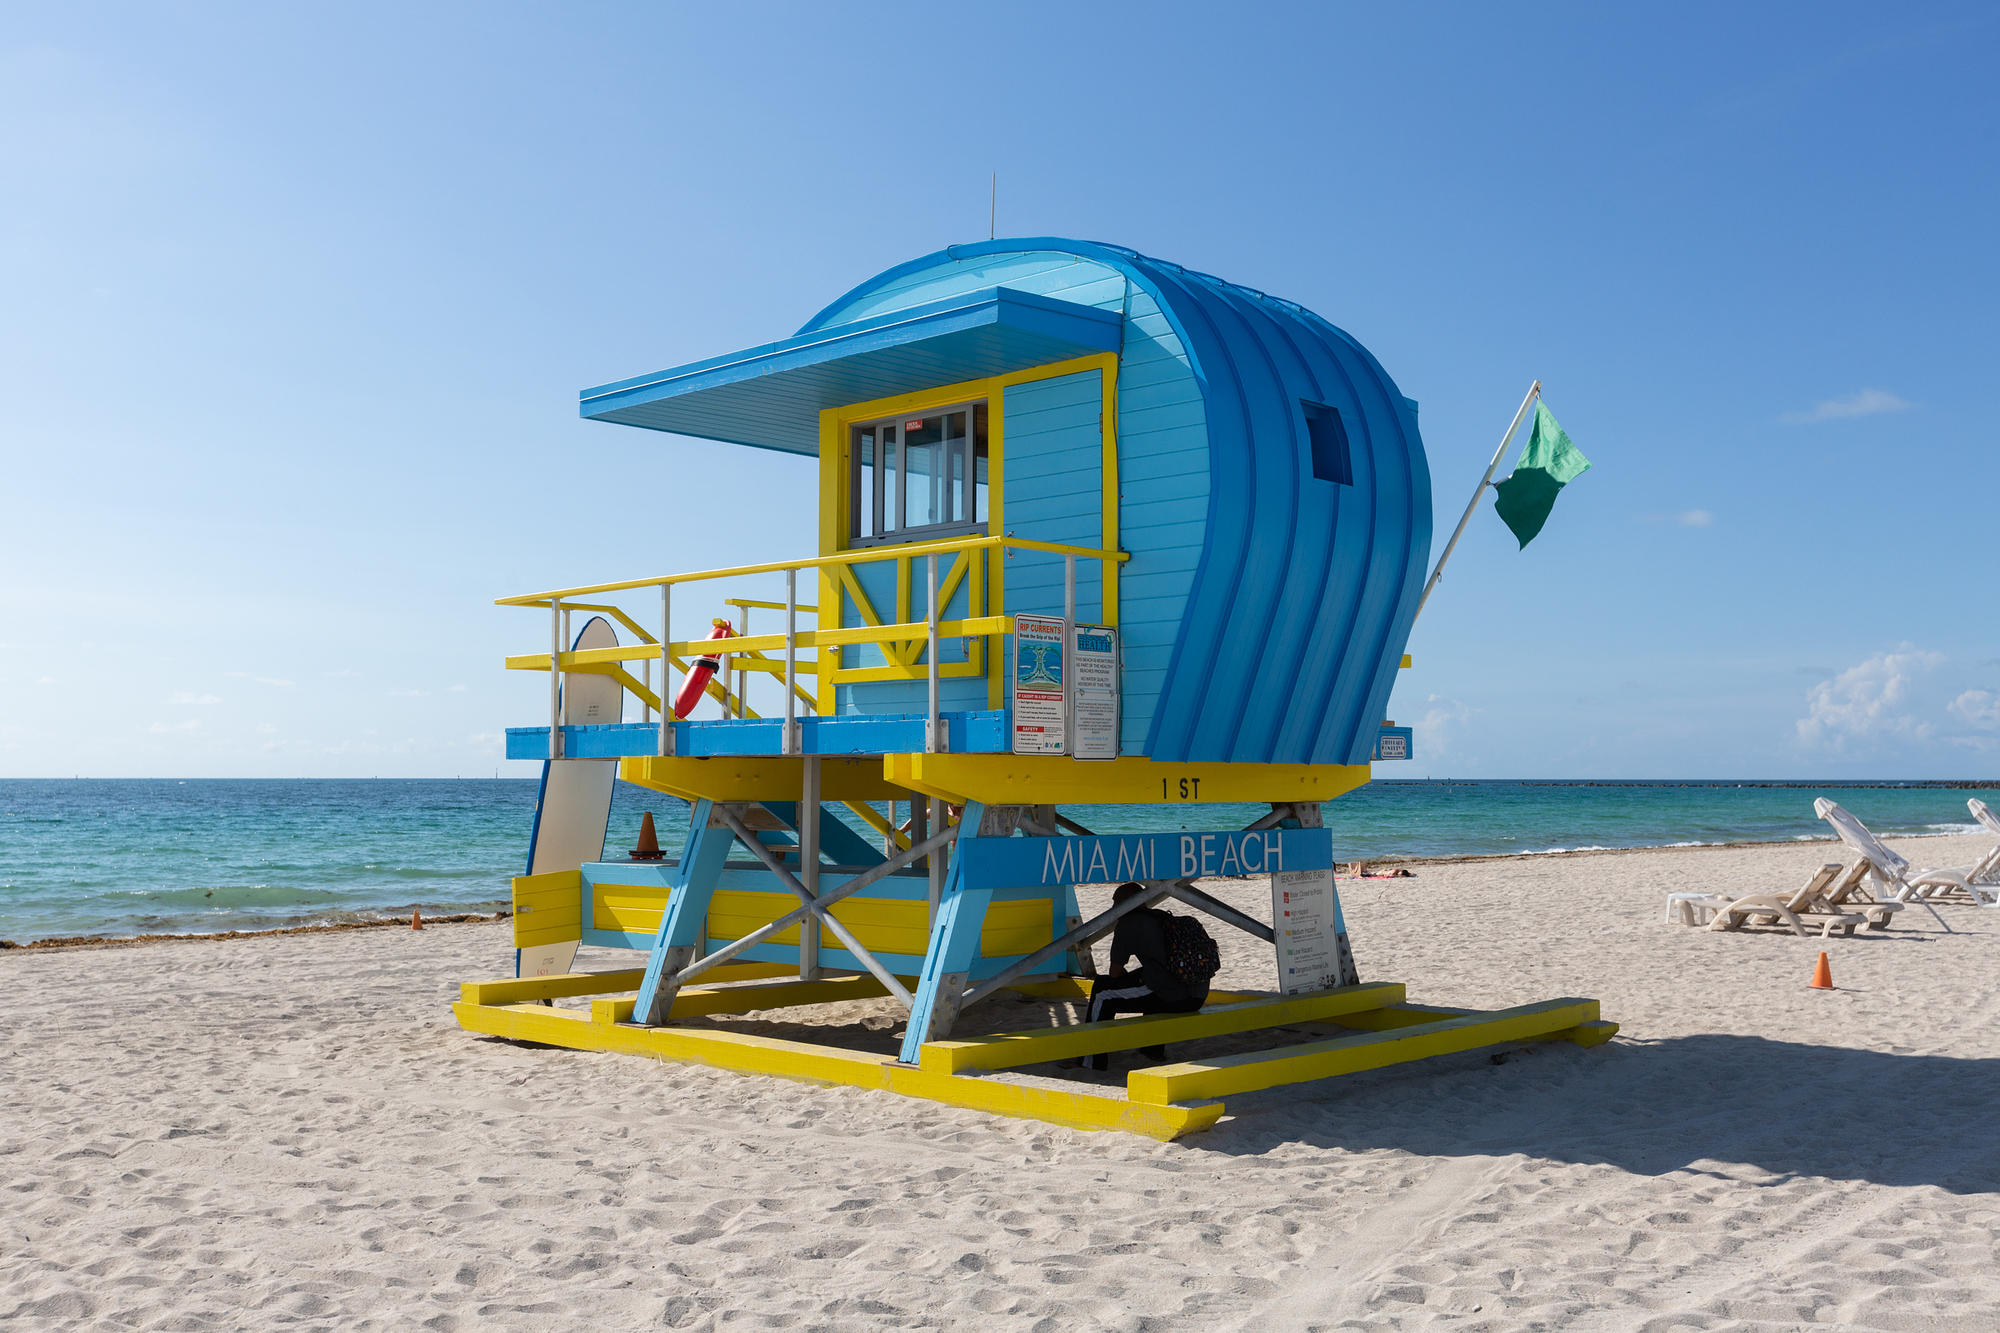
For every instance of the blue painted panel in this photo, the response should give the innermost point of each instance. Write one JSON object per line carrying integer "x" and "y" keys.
{"x": 982, "y": 731}
{"x": 1054, "y": 480}
{"x": 1050, "y": 862}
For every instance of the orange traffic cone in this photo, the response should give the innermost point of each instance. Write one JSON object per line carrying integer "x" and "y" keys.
{"x": 649, "y": 841}
{"x": 1823, "y": 974}
{"x": 416, "y": 918}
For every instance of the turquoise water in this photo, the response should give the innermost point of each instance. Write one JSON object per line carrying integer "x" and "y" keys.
{"x": 111, "y": 858}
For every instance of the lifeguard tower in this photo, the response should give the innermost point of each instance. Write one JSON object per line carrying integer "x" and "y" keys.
{"x": 1093, "y": 529}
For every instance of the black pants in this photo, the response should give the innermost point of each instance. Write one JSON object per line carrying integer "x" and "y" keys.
{"x": 1133, "y": 993}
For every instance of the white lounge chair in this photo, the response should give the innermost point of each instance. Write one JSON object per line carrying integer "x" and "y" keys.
{"x": 1890, "y": 876}
{"x": 1987, "y": 869}
{"x": 1807, "y": 905}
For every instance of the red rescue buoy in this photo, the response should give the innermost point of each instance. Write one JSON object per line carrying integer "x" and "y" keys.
{"x": 699, "y": 674}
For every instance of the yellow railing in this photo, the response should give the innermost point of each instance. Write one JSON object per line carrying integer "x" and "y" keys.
{"x": 902, "y": 643}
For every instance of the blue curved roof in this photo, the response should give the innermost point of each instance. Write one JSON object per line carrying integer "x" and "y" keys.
{"x": 1298, "y": 611}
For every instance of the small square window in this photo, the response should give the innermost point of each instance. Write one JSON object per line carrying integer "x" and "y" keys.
{"x": 1328, "y": 437}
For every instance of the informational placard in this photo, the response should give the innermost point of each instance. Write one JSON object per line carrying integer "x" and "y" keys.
{"x": 1041, "y": 712}
{"x": 1311, "y": 938}
{"x": 1094, "y": 671}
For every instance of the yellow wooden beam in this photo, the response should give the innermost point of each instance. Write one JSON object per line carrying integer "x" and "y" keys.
{"x": 757, "y": 778}
{"x": 568, "y": 985}
{"x": 745, "y": 1053}
{"x": 1302, "y": 1063}
{"x": 873, "y": 819}
{"x": 1005, "y": 779}
{"x": 702, "y": 1001}
{"x": 1011, "y": 1050}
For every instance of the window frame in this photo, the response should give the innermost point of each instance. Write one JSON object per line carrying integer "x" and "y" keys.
{"x": 877, "y": 497}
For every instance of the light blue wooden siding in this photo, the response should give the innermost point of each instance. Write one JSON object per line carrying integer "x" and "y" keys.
{"x": 1163, "y": 460}
{"x": 1053, "y": 485}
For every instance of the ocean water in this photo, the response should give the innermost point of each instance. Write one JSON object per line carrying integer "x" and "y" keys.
{"x": 120, "y": 858}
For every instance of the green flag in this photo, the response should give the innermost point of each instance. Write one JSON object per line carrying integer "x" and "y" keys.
{"x": 1548, "y": 463}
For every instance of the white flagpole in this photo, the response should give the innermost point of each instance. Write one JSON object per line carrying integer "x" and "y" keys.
{"x": 1533, "y": 392}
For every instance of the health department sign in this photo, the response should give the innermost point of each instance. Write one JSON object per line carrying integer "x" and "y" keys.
{"x": 1019, "y": 863}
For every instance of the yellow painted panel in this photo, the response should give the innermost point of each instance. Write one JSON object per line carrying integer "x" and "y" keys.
{"x": 1078, "y": 1109}
{"x": 638, "y": 908}
{"x": 1349, "y": 1055}
{"x": 1005, "y": 779}
{"x": 1014, "y": 928}
{"x": 548, "y": 908}
{"x": 1010, "y": 1050}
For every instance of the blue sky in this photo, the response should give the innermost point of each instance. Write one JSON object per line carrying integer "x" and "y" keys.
{"x": 294, "y": 306}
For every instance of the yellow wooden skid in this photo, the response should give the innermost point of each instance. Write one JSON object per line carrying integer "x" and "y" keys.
{"x": 1349, "y": 1055}
{"x": 1078, "y": 1109}
{"x": 567, "y": 985}
{"x": 1010, "y": 1050}
{"x": 703, "y": 1001}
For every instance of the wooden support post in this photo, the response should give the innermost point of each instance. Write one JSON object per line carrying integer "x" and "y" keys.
{"x": 678, "y": 942}
{"x": 808, "y": 831}
{"x": 954, "y": 946}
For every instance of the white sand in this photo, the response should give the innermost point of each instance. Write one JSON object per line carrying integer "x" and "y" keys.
{"x": 292, "y": 1130}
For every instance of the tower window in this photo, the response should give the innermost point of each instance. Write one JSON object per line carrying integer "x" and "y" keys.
{"x": 1328, "y": 437}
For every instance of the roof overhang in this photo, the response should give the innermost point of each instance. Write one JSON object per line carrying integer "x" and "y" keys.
{"x": 771, "y": 396}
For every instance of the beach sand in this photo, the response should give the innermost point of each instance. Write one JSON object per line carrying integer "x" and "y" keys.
{"x": 292, "y": 1130}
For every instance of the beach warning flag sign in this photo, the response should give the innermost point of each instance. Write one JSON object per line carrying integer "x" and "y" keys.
{"x": 1549, "y": 463}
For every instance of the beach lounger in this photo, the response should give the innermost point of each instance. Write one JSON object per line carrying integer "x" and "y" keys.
{"x": 1987, "y": 869}
{"x": 1890, "y": 877}
{"x": 1808, "y": 905}
{"x": 1849, "y": 893}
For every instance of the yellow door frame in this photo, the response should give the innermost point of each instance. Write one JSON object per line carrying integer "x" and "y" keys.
{"x": 836, "y": 501}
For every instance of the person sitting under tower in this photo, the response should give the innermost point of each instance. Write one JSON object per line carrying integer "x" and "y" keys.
{"x": 1176, "y": 959}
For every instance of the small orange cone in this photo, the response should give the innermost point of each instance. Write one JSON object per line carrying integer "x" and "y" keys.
{"x": 1823, "y": 974}
{"x": 649, "y": 841}
{"x": 417, "y": 920}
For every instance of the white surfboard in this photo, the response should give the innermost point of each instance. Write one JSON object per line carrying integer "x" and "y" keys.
{"x": 573, "y": 809}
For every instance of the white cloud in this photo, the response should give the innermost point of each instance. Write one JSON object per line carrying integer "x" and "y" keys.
{"x": 1979, "y": 708}
{"x": 1867, "y": 403}
{"x": 409, "y": 694}
{"x": 266, "y": 729}
{"x": 169, "y": 728}
{"x": 1434, "y": 730}
{"x": 458, "y": 689}
{"x": 190, "y": 697}
{"x": 1695, "y": 518}
{"x": 1871, "y": 699}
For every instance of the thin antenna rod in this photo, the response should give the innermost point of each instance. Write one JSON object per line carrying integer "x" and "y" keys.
{"x": 993, "y": 207}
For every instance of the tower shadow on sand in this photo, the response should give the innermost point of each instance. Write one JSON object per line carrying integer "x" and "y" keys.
{"x": 1654, "y": 1107}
